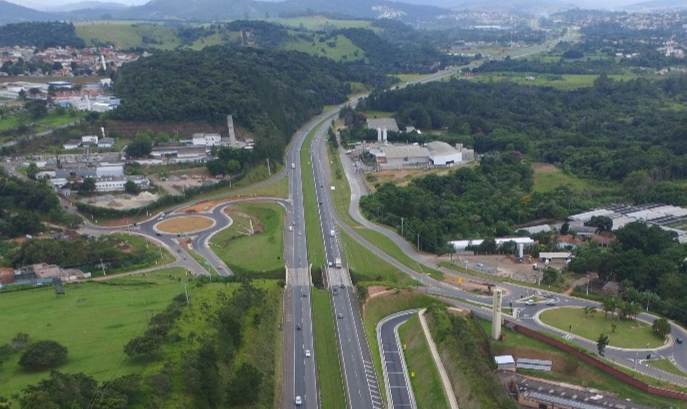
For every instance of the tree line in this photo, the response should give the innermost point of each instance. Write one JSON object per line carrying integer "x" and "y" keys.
{"x": 40, "y": 35}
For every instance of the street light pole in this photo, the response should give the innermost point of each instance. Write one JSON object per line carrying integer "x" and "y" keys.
{"x": 587, "y": 283}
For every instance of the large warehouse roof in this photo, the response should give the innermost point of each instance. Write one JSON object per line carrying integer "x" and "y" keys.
{"x": 383, "y": 123}
{"x": 406, "y": 151}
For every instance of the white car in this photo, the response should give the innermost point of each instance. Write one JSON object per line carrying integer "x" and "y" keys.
{"x": 299, "y": 401}
{"x": 307, "y": 353}
{"x": 529, "y": 302}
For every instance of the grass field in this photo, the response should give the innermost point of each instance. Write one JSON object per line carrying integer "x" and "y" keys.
{"x": 565, "y": 81}
{"x": 427, "y": 386}
{"x": 628, "y": 333}
{"x": 316, "y": 23}
{"x": 548, "y": 177}
{"x": 569, "y": 369}
{"x": 259, "y": 252}
{"x": 326, "y": 352}
{"x": 51, "y": 120}
{"x": 377, "y": 308}
{"x": 189, "y": 224}
{"x": 369, "y": 269}
{"x": 125, "y": 34}
{"x": 93, "y": 320}
{"x": 341, "y": 48}
{"x": 666, "y": 365}
{"x": 312, "y": 221}
{"x": 140, "y": 244}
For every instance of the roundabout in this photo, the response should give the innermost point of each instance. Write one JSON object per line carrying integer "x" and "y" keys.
{"x": 185, "y": 224}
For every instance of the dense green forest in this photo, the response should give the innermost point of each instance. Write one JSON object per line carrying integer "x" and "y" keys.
{"x": 631, "y": 132}
{"x": 41, "y": 35}
{"x": 562, "y": 66}
{"x": 470, "y": 202}
{"x": 648, "y": 262}
{"x": 269, "y": 92}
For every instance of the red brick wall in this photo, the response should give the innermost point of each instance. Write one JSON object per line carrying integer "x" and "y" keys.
{"x": 601, "y": 365}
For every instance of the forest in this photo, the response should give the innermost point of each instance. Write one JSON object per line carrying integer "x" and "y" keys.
{"x": 269, "y": 92}
{"x": 632, "y": 133}
{"x": 470, "y": 202}
{"x": 40, "y": 35}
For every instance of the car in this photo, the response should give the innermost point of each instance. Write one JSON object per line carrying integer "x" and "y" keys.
{"x": 290, "y": 228}
{"x": 299, "y": 401}
{"x": 158, "y": 234}
{"x": 529, "y": 302}
{"x": 551, "y": 302}
{"x": 679, "y": 340}
{"x": 320, "y": 203}
{"x": 340, "y": 315}
{"x": 342, "y": 285}
{"x": 305, "y": 295}
{"x": 307, "y": 353}
{"x": 293, "y": 222}
{"x": 537, "y": 293}
{"x": 331, "y": 264}
{"x": 335, "y": 291}
{"x": 178, "y": 250}
{"x": 299, "y": 233}
{"x": 298, "y": 327}
{"x": 547, "y": 295}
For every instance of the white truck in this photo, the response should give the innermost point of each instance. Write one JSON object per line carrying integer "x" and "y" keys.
{"x": 332, "y": 233}
{"x": 337, "y": 263}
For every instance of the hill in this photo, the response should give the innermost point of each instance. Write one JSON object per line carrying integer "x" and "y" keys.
{"x": 12, "y": 13}
{"x": 656, "y": 5}
{"x": 87, "y": 5}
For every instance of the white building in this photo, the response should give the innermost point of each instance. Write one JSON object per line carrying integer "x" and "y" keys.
{"x": 206, "y": 139}
{"x": 107, "y": 170}
{"x": 106, "y": 143}
{"x": 89, "y": 140}
{"x": 117, "y": 184}
{"x": 382, "y": 125}
{"x": 72, "y": 144}
{"x": 443, "y": 154}
{"x": 461, "y": 245}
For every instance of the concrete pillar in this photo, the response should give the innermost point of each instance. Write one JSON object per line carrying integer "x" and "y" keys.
{"x": 496, "y": 314}
{"x": 384, "y": 134}
{"x": 379, "y": 135}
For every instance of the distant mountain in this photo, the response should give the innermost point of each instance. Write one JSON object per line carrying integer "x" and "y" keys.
{"x": 250, "y": 9}
{"x": 524, "y": 7}
{"x": 12, "y": 13}
{"x": 657, "y": 5}
{"x": 86, "y": 5}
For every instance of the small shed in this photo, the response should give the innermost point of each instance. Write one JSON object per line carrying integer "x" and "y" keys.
{"x": 505, "y": 363}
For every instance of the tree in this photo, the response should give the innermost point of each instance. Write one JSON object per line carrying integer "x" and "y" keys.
{"x": 608, "y": 304}
{"x": 661, "y": 326}
{"x": 131, "y": 187}
{"x": 32, "y": 170}
{"x": 247, "y": 379}
{"x": 87, "y": 185}
{"x": 43, "y": 354}
{"x": 601, "y": 344}
{"x": 37, "y": 108}
{"x": 139, "y": 147}
{"x": 144, "y": 345}
{"x": 602, "y": 223}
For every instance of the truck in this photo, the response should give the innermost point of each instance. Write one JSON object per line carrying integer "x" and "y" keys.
{"x": 337, "y": 263}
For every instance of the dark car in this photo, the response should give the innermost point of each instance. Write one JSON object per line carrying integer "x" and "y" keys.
{"x": 343, "y": 285}
{"x": 679, "y": 340}
{"x": 158, "y": 234}
{"x": 298, "y": 327}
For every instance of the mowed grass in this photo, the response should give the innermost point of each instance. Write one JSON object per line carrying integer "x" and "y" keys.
{"x": 342, "y": 48}
{"x": 93, "y": 320}
{"x": 127, "y": 35}
{"x": 427, "y": 386}
{"x": 379, "y": 307}
{"x": 570, "y": 369}
{"x": 367, "y": 268}
{"x": 51, "y": 120}
{"x": 666, "y": 365}
{"x": 326, "y": 352}
{"x": 628, "y": 333}
{"x": 255, "y": 253}
{"x": 548, "y": 177}
{"x": 312, "y": 220}
{"x": 155, "y": 255}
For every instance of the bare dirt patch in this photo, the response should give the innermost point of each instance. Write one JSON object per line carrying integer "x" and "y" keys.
{"x": 202, "y": 207}
{"x": 544, "y": 168}
{"x": 468, "y": 285}
{"x": 189, "y": 224}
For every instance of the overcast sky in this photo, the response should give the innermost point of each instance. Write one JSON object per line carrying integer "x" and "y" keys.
{"x": 42, "y": 4}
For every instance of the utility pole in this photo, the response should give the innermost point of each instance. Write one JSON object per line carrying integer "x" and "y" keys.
{"x": 418, "y": 242}
{"x": 186, "y": 291}
{"x": 269, "y": 171}
{"x": 402, "y": 235}
{"x": 588, "y": 284}
{"x": 103, "y": 266}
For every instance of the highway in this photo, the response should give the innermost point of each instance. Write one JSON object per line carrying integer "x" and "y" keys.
{"x": 398, "y": 390}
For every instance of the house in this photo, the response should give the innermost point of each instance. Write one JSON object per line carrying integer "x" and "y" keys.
{"x": 106, "y": 143}
{"x": 89, "y": 140}
{"x": 206, "y": 139}
{"x": 41, "y": 270}
{"x": 72, "y": 144}
{"x": 6, "y": 275}
{"x": 505, "y": 363}
{"x": 443, "y": 154}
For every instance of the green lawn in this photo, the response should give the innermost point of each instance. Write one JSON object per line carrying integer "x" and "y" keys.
{"x": 667, "y": 366}
{"x": 427, "y": 386}
{"x": 50, "y": 120}
{"x": 125, "y": 34}
{"x": 410, "y": 77}
{"x": 369, "y": 269}
{"x": 382, "y": 306}
{"x": 93, "y": 320}
{"x": 628, "y": 333}
{"x": 155, "y": 256}
{"x": 255, "y": 253}
{"x": 570, "y": 369}
{"x": 312, "y": 221}
{"x": 341, "y": 48}
{"x": 547, "y": 178}
{"x": 326, "y": 352}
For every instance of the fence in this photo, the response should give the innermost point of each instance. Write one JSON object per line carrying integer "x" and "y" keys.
{"x": 622, "y": 376}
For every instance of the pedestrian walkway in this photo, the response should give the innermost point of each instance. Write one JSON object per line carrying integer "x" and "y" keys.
{"x": 448, "y": 388}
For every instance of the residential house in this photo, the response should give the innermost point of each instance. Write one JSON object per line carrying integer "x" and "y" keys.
{"x": 72, "y": 144}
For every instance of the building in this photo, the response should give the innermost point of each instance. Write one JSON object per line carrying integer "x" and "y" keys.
{"x": 6, "y": 276}
{"x": 401, "y": 157}
{"x": 116, "y": 184}
{"x": 72, "y": 144}
{"x": 40, "y": 270}
{"x": 462, "y": 245}
{"x": 505, "y": 363}
{"x": 382, "y": 125}
{"x": 443, "y": 154}
{"x": 89, "y": 140}
{"x": 106, "y": 143}
{"x": 206, "y": 139}
{"x": 109, "y": 170}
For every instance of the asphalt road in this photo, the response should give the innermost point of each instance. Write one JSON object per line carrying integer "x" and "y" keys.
{"x": 398, "y": 390}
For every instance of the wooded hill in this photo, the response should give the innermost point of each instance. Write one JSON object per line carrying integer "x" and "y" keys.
{"x": 269, "y": 92}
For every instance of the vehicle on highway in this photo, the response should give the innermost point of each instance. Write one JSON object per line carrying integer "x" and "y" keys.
{"x": 290, "y": 228}
{"x": 305, "y": 295}
{"x": 299, "y": 233}
{"x": 547, "y": 295}
{"x": 332, "y": 233}
{"x": 178, "y": 250}
{"x": 343, "y": 285}
{"x": 331, "y": 264}
{"x": 298, "y": 326}
{"x": 299, "y": 401}
{"x": 307, "y": 353}
{"x": 679, "y": 340}
{"x": 158, "y": 234}
{"x": 529, "y": 302}
{"x": 293, "y": 166}
{"x": 337, "y": 262}
{"x": 551, "y": 302}
{"x": 335, "y": 291}
{"x": 340, "y": 315}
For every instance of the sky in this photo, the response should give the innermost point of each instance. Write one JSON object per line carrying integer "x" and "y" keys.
{"x": 43, "y": 4}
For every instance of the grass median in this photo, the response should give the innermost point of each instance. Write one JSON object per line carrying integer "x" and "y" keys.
{"x": 312, "y": 221}
{"x": 427, "y": 386}
{"x": 329, "y": 377}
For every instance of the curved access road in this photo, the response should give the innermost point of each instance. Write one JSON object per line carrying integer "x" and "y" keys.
{"x": 399, "y": 392}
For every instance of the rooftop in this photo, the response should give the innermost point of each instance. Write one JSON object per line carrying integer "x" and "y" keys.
{"x": 438, "y": 148}
{"x": 382, "y": 123}
{"x": 409, "y": 151}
